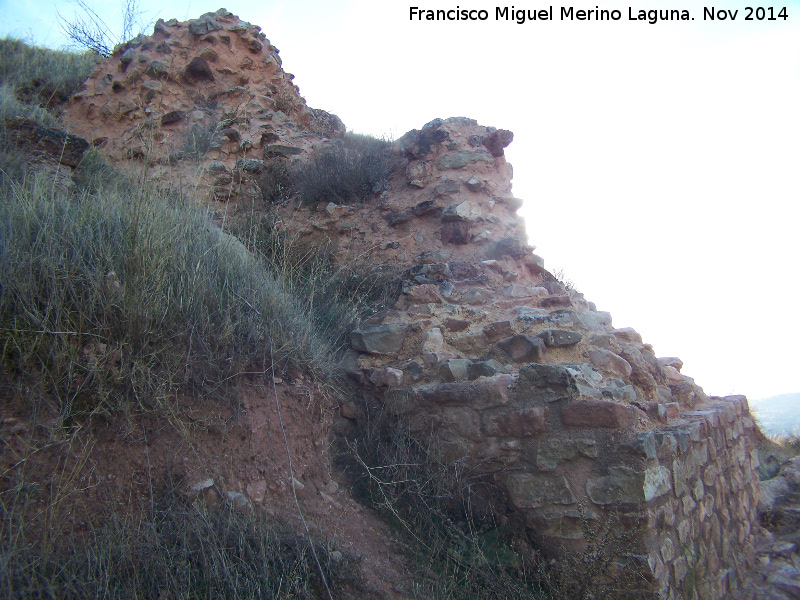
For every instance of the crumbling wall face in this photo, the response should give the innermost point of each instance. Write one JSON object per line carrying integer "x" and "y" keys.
{"x": 497, "y": 364}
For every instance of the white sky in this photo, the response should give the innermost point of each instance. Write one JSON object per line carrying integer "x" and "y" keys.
{"x": 659, "y": 163}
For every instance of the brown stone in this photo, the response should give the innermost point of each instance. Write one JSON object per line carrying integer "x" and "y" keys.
{"x": 608, "y": 361}
{"x": 454, "y": 325}
{"x": 199, "y": 70}
{"x": 498, "y": 330}
{"x": 523, "y": 347}
{"x": 598, "y": 413}
{"x": 518, "y": 424}
{"x": 387, "y": 377}
{"x": 68, "y": 149}
{"x": 486, "y": 392}
{"x": 555, "y": 301}
{"x": 498, "y": 140}
{"x": 455, "y": 232}
{"x": 348, "y": 410}
{"x": 426, "y": 293}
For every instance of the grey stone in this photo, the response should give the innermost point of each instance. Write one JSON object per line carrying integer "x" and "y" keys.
{"x": 610, "y": 362}
{"x": 237, "y": 500}
{"x": 772, "y": 492}
{"x": 551, "y": 454}
{"x": 643, "y": 445}
{"x": 534, "y": 491}
{"x": 446, "y": 188}
{"x": 485, "y": 368}
{"x": 379, "y": 339}
{"x": 513, "y": 247}
{"x": 564, "y": 524}
{"x": 623, "y": 484}
{"x": 546, "y": 382}
{"x": 474, "y": 184}
{"x": 127, "y": 56}
{"x": 216, "y": 167}
{"x": 157, "y": 69}
{"x": 463, "y": 158}
{"x": 558, "y": 338}
{"x": 203, "y": 25}
{"x": 454, "y": 369}
{"x": 281, "y": 150}
{"x": 172, "y": 117}
{"x": 671, "y": 361}
{"x": 464, "y": 211}
{"x": 250, "y": 165}
{"x": 150, "y": 85}
{"x": 593, "y": 321}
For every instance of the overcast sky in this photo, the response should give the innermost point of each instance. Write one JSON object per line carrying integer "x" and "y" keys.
{"x": 658, "y": 162}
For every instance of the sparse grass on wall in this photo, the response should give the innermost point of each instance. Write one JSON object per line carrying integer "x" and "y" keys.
{"x": 352, "y": 170}
{"x": 336, "y": 296}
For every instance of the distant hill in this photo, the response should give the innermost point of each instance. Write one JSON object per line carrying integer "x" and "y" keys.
{"x": 778, "y": 415}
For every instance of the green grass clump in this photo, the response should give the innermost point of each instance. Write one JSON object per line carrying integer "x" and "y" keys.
{"x": 43, "y": 77}
{"x": 119, "y": 296}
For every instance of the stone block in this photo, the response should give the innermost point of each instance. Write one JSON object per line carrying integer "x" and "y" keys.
{"x": 498, "y": 330}
{"x": 400, "y": 401}
{"x": 547, "y": 383}
{"x": 561, "y": 301}
{"x": 559, "y": 338}
{"x": 465, "y": 211}
{"x": 472, "y": 343}
{"x": 456, "y": 325}
{"x": 454, "y": 369}
{"x": 553, "y": 453}
{"x": 518, "y": 424}
{"x": 598, "y": 413}
{"x": 523, "y": 348}
{"x": 461, "y": 421}
{"x": 485, "y": 368}
{"x": 627, "y": 334}
{"x": 623, "y": 484}
{"x": 426, "y": 293}
{"x": 679, "y": 569}
{"x": 388, "y": 377}
{"x": 610, "y": 362}
{"x": 463, "y": 158}
{"x": 484, "y": 393}
{"x": 379, "y": 339}
{"x": 528, "y": 490}
{"x": 565, "y": 524}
